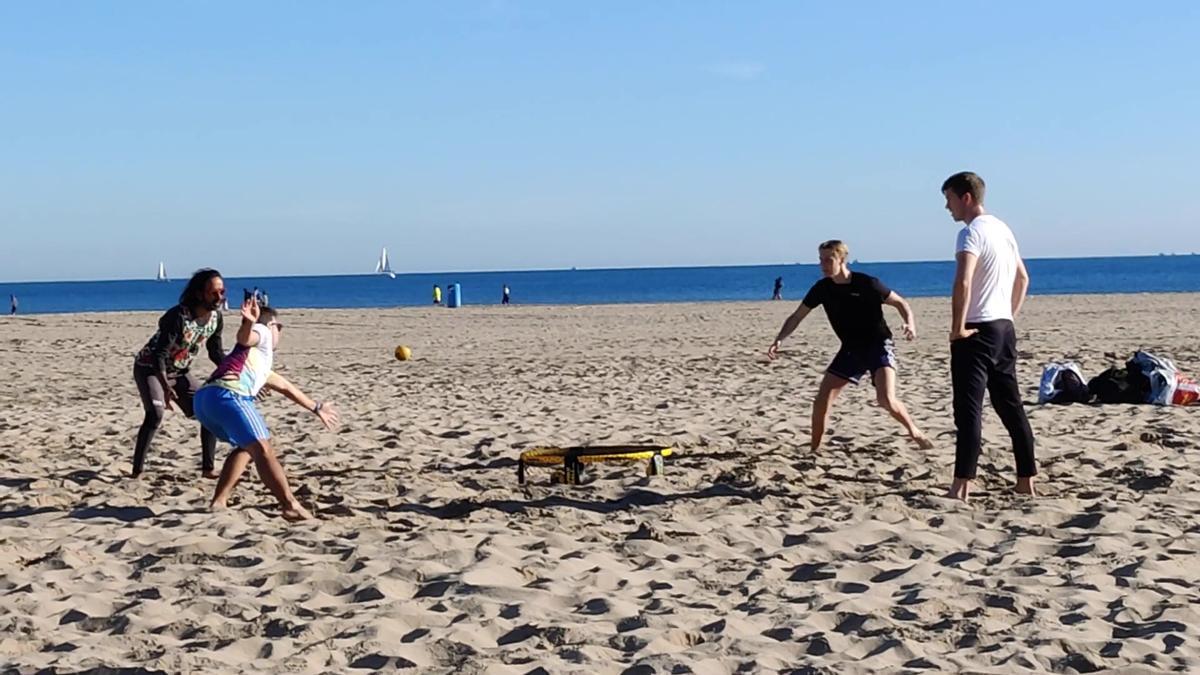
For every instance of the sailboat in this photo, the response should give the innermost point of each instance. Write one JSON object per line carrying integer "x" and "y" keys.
{"x": 383, "y": 266}
{"x": 162, "y": 272}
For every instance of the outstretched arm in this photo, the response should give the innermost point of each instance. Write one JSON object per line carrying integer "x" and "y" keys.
{"x": 910, "y": 322}
{"x": 1020, "y": 287}
{"x": 789, "y": 327}
{"x": 326, "y": 411}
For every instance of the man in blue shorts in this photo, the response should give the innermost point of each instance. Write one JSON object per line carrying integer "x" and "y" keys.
{"x": 853, "y": 303}
{"x": 225, "y": 406}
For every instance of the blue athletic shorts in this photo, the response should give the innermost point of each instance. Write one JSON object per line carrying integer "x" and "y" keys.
{"x": 231, "y": 417}
{"x": 851, "y": 363}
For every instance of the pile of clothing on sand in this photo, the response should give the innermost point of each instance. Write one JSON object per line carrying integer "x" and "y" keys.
{"x": 1145, "y": 378}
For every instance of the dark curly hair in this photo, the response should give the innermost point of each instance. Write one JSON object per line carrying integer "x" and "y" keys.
{"x": 193, "y": 294}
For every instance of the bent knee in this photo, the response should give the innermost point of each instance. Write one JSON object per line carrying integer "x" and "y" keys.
{"x": 888, "y": 403}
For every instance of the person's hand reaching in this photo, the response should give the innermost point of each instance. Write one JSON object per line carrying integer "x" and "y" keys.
{"x": 250, "y": 309}
{"x": 329, "y": 415}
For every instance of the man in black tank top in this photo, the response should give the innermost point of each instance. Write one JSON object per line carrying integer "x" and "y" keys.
{"x": 854, "y": 303}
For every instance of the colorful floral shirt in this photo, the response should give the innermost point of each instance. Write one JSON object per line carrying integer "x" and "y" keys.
{"x": 179, "y": 339}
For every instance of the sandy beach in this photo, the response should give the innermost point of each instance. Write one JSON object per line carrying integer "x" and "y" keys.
{"x": 750, "y": 554}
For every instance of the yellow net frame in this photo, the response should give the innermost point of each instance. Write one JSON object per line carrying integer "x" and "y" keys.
{"x": 572, "y": 459}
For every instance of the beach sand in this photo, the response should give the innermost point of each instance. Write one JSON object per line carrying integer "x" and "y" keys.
{"x": 750, "y": 554}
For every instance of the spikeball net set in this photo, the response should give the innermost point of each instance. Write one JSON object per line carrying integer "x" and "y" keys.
{"x": 570, "y": 461}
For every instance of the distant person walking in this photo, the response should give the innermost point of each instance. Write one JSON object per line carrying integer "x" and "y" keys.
{"x": 778, "y": 293}
{"x": 990, "y": 282}
{"x": 504, "y": 298}
{"x": 12, "y": 304}
{"x": 853, "y": 304}
{"x": 161, "y": 369}
{"x": 437, "y": 294}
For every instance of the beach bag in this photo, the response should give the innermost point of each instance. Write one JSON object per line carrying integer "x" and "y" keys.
{"x": 1062, "y": 383}
{"x": 1115, "y": 386}
{"x": 1187, "y": 392}
{"x": 1160, "y": 374}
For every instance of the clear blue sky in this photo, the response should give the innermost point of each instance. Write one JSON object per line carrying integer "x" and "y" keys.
{"x": 299, "y": 137}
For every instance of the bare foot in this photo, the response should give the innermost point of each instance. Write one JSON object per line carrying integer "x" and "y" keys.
{"x": 923, "y": 441}
{"x": 960, "y": 489}
{"x": 211, "y": 475}
{"x": 295, "y": 512}
{"x": 1025, "y": 486}
{"x": 218, "y": 506}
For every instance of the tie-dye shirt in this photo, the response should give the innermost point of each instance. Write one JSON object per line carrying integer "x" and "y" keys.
{"x": 246, "y": 369}
{"x": 179, "y": 339}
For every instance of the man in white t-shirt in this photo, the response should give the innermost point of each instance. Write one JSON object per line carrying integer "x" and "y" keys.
{"x": 990, "y": 282}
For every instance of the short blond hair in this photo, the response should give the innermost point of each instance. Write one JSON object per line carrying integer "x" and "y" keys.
{"x": 838, "y": 247}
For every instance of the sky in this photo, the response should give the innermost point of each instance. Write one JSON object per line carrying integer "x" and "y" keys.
{"x": 279, "y": 138}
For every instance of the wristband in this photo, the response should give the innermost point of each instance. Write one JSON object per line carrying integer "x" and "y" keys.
{"x": 317, "y": 408}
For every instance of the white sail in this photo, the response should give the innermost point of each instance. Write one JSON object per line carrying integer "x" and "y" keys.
{"x": 383, "y": 266}
{"x": 162, "y": 272}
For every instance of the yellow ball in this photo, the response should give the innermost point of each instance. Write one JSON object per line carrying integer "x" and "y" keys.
{"x": 403, "y": 353}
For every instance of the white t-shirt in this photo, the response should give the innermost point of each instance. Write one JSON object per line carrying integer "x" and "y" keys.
{"x": 246, "y": 369}
{"x": 996, "y": 249}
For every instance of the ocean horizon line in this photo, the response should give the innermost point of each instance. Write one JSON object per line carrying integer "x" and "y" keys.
{"x": 611, "y": 285}
{"x": 537, "y": 270}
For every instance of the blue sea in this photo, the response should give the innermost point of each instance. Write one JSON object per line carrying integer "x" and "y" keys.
{"x": 1150, "y": 274}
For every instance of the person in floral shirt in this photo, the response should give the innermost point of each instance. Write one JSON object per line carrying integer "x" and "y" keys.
{"x": 162, "y": 368}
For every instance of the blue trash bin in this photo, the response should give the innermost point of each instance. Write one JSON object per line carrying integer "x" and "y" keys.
{"x": 454, "y": 297}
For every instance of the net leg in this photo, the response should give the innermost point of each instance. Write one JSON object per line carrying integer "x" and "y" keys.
{"x": 655, "y": 466}
{"x": 572, "y": 470}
